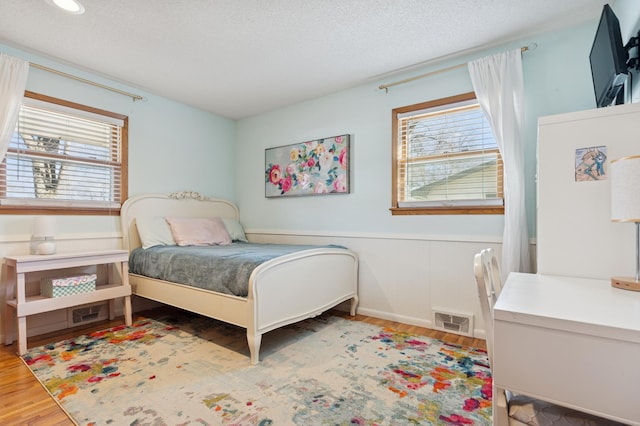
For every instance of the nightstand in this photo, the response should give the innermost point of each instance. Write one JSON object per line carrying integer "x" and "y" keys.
{"x": 20, "y": 306}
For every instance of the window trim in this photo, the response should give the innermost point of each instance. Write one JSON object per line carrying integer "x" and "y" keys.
{"x": 423, "y": 210}
{"x": 20, "y": 209}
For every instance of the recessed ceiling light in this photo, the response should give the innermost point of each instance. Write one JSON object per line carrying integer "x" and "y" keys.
{"x": 69, "y": 6}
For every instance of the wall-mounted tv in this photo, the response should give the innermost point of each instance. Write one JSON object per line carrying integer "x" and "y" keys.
{"x": 608, "y": 59}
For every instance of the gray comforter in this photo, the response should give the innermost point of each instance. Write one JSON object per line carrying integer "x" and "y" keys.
{"x": 224, "y": 269}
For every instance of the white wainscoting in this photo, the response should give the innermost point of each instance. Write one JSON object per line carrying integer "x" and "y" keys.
{"x": 403, "y": 278}
{"x": 406, "y": 278}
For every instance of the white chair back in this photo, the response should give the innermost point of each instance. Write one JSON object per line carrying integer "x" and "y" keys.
{"x": 496, "y": 273}
{"x": 487, "y": 273}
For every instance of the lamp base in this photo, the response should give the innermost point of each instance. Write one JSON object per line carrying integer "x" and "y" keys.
{"x": 625, "y": 283}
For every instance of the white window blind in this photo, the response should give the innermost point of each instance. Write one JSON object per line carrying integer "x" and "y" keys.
{"x": 58, "y": 157}
{"x": 448, "y": 157}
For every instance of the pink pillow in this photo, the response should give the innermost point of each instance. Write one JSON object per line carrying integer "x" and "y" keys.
{"x": 198, "y": 231}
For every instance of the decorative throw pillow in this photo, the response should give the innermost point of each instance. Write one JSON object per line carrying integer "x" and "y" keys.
{"x": 198, "y": 231}
{"x": 154, "y": 231}
{"x": 235, "y": 230}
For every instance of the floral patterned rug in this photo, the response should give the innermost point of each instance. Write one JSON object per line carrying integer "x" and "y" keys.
{"x": 185, "y": 369}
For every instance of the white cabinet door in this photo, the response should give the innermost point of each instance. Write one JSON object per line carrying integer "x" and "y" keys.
{"x": 575, "y": 235}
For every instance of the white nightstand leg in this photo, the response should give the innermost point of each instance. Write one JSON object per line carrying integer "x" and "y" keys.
{"x": 127, "y": 299}
{"x": 22, "y": 335}
{"x": 22, "y": 320}
{"x": 112, "y": 302}
{"x": 9, "y": 311}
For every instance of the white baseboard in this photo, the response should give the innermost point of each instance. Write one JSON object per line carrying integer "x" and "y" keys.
{"x": 395, "y": 317}
{"x": 479, "y": 334}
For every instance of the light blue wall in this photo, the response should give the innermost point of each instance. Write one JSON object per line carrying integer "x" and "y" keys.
{"x": 557, "y": 79}
{"x": 172, "y": 147}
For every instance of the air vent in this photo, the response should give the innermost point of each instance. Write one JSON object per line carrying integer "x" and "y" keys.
{"x": 454, "y": 323}
{"x": 88, "y": 313}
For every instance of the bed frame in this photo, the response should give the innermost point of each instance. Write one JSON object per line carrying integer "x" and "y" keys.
{"x": 277, "y": 294}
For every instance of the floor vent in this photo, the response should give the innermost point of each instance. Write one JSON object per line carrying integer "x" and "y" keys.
{"x": 454, "y": 323}
{"x": 88, "y": 313}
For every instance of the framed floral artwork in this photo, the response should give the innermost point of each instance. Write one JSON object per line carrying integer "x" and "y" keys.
{"x": 308, "y": 168}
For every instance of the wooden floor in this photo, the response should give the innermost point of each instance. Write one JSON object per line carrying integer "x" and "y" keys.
{"x": 24, "y": 401}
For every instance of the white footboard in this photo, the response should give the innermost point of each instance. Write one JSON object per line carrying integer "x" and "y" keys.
{"x": 299, "y": 286}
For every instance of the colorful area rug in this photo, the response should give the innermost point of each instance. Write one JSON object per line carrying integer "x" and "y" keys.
{"x": 191, "y": 370}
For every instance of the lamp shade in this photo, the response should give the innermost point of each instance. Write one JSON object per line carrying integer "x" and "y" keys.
{"x": 44, "y": 226}
{"x": 625, "y": 189}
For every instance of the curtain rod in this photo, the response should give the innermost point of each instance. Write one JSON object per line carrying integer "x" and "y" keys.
{"x": 93, "y": 83}
{"x": 385, "y": 87}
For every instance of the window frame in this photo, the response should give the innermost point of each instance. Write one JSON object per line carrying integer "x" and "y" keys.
{"x": 18, "y": 209}
{"x": 395, "y": 180}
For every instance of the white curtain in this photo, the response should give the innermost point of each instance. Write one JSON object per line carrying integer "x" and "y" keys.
{"x": 498, "y": 84}
{"x": 13, "y": 80}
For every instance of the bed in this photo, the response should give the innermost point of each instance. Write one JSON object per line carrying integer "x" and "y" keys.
{"x": 276, "y": 295}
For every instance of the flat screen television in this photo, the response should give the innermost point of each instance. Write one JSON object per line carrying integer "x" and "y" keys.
{"x": 608, "y": 59}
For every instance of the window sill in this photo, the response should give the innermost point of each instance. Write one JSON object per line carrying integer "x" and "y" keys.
{"x": 82, "y": 211}
{"x": 403, "y": 211}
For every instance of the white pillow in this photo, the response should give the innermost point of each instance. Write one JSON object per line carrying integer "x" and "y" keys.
{"x": 198, "y": 231}
{"x": 234, "y": 228}
{"x": 154, "y": 231}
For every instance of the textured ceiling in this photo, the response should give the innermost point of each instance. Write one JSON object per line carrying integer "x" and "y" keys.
{"x": 238, "y": 58}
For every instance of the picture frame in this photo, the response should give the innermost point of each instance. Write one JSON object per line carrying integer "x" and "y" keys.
{"x": 591, "y": 164}
{"x": 317, "y": 167}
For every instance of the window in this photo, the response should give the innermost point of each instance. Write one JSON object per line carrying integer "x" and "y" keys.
{"x": 445, "y": 159}
{"x": 65, "y": 157}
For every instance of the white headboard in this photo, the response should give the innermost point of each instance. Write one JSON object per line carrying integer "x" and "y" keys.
{"x": 177, "y": 204}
